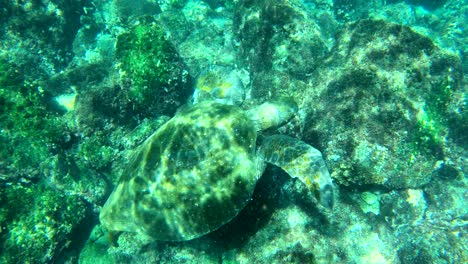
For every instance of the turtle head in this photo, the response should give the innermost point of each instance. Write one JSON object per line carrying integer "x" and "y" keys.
{"x": 273, "y": 113}
{"x": 324, "y": 190}
{"x": 318, "y": 180}
{"x": 220, "y": 84}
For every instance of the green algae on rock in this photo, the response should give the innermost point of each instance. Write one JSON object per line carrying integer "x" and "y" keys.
{"x": 158, "y": 79}
{"x": 37, "y": 222}
{"x": 30, "y": 130}
{"x": 391, "y": 98}
{"x": 197, "y": 171}
{"x": 41, "y": 193}
{"x": 277, "y": 36}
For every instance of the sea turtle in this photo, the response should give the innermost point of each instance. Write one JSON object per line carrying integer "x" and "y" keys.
{"x": 198, "y": 170}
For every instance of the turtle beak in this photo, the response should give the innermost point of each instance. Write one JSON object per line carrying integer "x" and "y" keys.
{"x": 324, "y": 189}
{"x": 326, "y": 196}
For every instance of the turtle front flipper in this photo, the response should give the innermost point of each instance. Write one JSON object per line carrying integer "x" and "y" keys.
{"x": 302, "y": 161}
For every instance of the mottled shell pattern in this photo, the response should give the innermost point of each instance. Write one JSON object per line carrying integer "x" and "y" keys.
{"x": 191, "y": 176}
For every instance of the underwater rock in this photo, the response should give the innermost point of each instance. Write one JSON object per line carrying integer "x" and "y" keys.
{"x": 429, "y": 223}
{"x": 385, "y": 106}
{"x": 298, "y": 233}
{"x": 158, "y": 82}
{"x": 212, "y": 41}
{"x": 177, "y": 25}
{"x": 45, "y": 189}
{"x": 42, "y": 27}
{"x": 428, "y": 4}
{"x": 126, "y": 9}
{"x": 37, "y": 223}
{"x": 351, "y": 10}
{"x": 277, "y": 36}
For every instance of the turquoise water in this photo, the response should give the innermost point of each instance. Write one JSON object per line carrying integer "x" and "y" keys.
{"x": 377, "y": 87}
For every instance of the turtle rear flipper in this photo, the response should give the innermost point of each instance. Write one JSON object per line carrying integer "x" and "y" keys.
{"x": 302, "y": 161}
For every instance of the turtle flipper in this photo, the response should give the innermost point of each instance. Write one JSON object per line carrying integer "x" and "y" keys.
{"x": 302, "y": 161}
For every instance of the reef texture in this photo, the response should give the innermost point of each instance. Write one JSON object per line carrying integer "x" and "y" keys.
{"x": 380, "y": 90}
{"x": 387, "y": 107}
{"x": 157, "y": 78}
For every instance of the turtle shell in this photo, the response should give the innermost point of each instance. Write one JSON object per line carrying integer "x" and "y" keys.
{"x": 191, "y": 176}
